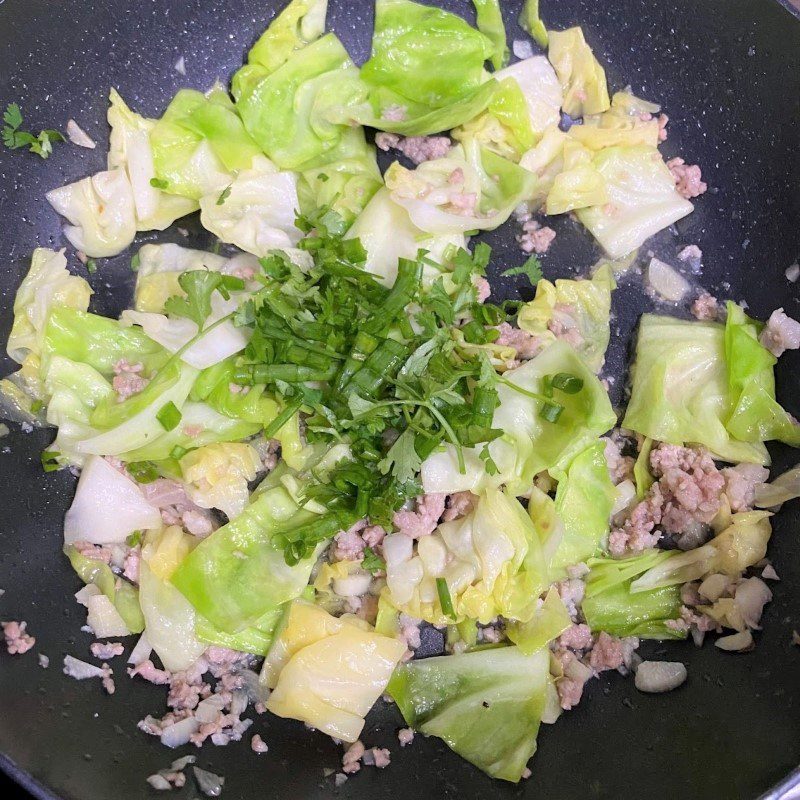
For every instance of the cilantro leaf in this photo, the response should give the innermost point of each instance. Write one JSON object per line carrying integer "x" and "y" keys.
{"x": 199, "y": 285}
{"x": 532, "y": 268}
{"x": 13, "y": 138}
{"x": 402, "y": 458}
{"x": 372, "y": 561}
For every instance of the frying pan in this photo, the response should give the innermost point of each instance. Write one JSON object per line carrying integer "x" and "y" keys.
{"x": 728, "y": 75}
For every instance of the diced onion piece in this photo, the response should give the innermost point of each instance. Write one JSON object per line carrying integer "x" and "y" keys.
{"x": 397, "y": 548}
{"x": 666, "y": 282}
{"x": 180, "y": 733}
{"x": 736, "y": 643}
{"x": 353, "y": 585}
{"x": 660, "y": 676}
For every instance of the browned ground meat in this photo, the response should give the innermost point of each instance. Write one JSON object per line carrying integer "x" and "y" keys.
{"x": 422, "y": 521}
{"x": 535, "y": 238}
{"x": 18, "y": 641}
{"x": 688, "y": 178}
{"x": 415, "y": 148}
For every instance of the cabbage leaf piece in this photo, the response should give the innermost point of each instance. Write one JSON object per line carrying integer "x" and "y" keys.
{"x": 47, "y": 286}
{"x": 210, "y": 348}
{"x": 680, "y": 390}
{"x": 425, "y": 73}
{"x": 130, "y": 150}
{"x": 328, "y": 671}
{"x": 217, "y": 475}
{"x": 582, "y": 306}
{"x": 584, "y": 498}
{"x": 300, "y": 112}
{"x": 490, "y": 560}
{"x": 629, "y": 121}
{"x": 756, "y": 416}
{"x": 740, "y": 545}
{"x": 387, "y": 233}
{"x": 299, "y": 24}
{"x": 489, "y": 21}
{"x": 257, "y": 210}
{"x": 550, "y": 620}
{"x": 345, "y": 182}
{"x": 642, "y": 199}
{"x": 101, "y": 213}
{"x": 582, "y": 78}
{"x": 98, "y": 342}
{"x": 531, "y": 21}
{"x": 530, "y": 444}
{"x": 608, "y": 604}
{"x": 169, "y": 617}
{"x": 122, "y": 594}
{"x": 238, "y": 574}
{"x": 486, "y": 705}
{"x": 488, "y": 189}
{"x": 108, "y": 507}
{"x": 199, "y": 143}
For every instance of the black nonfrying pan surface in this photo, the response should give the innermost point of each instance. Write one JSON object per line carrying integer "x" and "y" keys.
{"x": 728, "y": 75}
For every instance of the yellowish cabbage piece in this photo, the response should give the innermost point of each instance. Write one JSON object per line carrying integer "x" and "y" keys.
{"x": 217, "y": 475}
{"x": 47, "y": 284}
{"x": 583, "y": 306}
{"x": 582, "y": 78}
{"x": 491, "y": 561}
{"x": 327, "y": 671}
{"x": 629, "y": 121}
{"x": 169, "y": 616}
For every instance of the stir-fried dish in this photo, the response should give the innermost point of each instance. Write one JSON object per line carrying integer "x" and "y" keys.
{"x": 308, "y": 452}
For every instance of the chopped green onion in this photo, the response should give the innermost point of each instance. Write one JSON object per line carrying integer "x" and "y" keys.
{"x": 551, "y": 411}
{"x": 444, "y": 598}
{"x": 567, "y": 383}
{"x": 50, "y": 460}
{"x": 159, "y": 183}
{"x": 135, "y": 539}
{"x": 226, "y": 193}
{"x": 91, "y": 266}
{"x": 135, "y": 262}
{"x": 178, "y": 452}
{"x": 169, "y": 416}
{"x": 36, "y": 406}
{"x": 143, "y": 471}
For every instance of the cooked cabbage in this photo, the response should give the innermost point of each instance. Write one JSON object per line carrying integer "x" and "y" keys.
{"x": 257, "y": 211}
{"x": 583, "y": 306}
{"x": 425, "y": 73}
{"x": 609, "y": 605}
{"x": 388, "y": 234}
{"x": 486, "y": 705}
{"x": 756, "y": 416}
{"x": 223, "y": 577}
{"x": 643, "y": 199}
{"x": 217, "y": 475}
{"x": 742, "y": 544}
{"x": 491, "y": 561}
{"x": 169, "y": 617}
{"x": 160, "y": 266}
{"x": 130, "y": 150}
{"x": 47, "y": 285}
{"x": 582, "y": 78}
{"x": 680, "y": 392}
{"x": 108, "y": 506}
{"x": 529, "y": 444}
{"x": 328, "y": 671}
